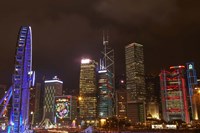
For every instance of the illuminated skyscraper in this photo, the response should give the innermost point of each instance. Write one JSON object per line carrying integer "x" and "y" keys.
{"x": 174, "y": 94}
{"x": 106, "y": 82}
{"x": 88, "y": 90}
{"x": 52, "y": 88}
{"x": 192, "y": 83}
{"x": 135, "y": 82}
{"x": 105, "y": 101}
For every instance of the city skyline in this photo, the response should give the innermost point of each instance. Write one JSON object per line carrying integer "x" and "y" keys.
{"x": 65, "y": 32}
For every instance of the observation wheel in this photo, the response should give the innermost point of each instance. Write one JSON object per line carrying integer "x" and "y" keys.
{"x": 21, "y": 82}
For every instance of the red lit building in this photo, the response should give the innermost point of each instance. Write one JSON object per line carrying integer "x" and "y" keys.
{"x": 174, "y": 94}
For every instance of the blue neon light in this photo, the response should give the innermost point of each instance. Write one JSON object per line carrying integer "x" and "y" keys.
{"x": 22, "y": 82}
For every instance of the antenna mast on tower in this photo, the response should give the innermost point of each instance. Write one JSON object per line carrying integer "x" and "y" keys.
{"x": 107, "y": 63}
{"x": 106, "y": 76}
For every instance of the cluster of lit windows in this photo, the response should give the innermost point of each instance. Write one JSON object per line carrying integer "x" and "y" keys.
{"x": 88, "y": 90}
{"x": 105, "y": 95}
{"x": 135, "y": 70}
{"x": 49, "y": 98}
{"x": 88, "y": 106}
{"x": 174, "y": 104}
{"x": 174, "y": 93}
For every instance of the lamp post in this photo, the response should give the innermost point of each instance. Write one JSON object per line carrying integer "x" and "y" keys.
{"x": 32, "y": 119}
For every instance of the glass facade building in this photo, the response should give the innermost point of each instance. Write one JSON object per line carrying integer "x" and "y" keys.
{"x": 106, "y": 81}
{"x": 105, "y": 102}
{"x": 191, "y": 83}
{"x": 174, "y": 94}
{"x": 88, "y": 90}
{"x": 135, "y": 82}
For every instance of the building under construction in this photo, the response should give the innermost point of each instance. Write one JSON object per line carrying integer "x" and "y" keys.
{"x": 174, "y": 94}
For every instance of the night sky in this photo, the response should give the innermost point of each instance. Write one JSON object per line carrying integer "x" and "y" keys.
{"x": 64, "y": 31}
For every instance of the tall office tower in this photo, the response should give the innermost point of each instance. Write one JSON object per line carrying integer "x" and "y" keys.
{"x": 174, "y": 94}
{"x": 52, "y": 88}
{"x": 135, "y": 82}
{"x": 105, "y": 100}
{"x": 192, "y": 83}
{"x": 106, "y": 82}
{"x": 153, "y": 96}
{"x": 88, "y": 91}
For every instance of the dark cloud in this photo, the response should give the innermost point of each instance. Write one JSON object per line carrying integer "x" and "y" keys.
{"x": 66, "y": 30}
{"x": 136, "y": 11}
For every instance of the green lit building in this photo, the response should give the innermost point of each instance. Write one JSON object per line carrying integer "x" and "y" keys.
{"x": 105, "y": 101}
{"x": 106, "y": 78}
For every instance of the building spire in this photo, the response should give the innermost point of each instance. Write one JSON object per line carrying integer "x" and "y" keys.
{"x": 108, "y": 54}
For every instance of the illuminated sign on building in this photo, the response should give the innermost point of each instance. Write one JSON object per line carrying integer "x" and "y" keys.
{"x": 62, "y": 107}
{"x": 85, "y": 61}
{"x": 102, "y": 71}
{"x": 54, "y": 80}
{"x": 190, "y": 66}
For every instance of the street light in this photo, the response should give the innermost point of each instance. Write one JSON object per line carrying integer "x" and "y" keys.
{"x": 32, "y": 119}
{"x": 198, "y": 91}
{"x": 80, "y": 98}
